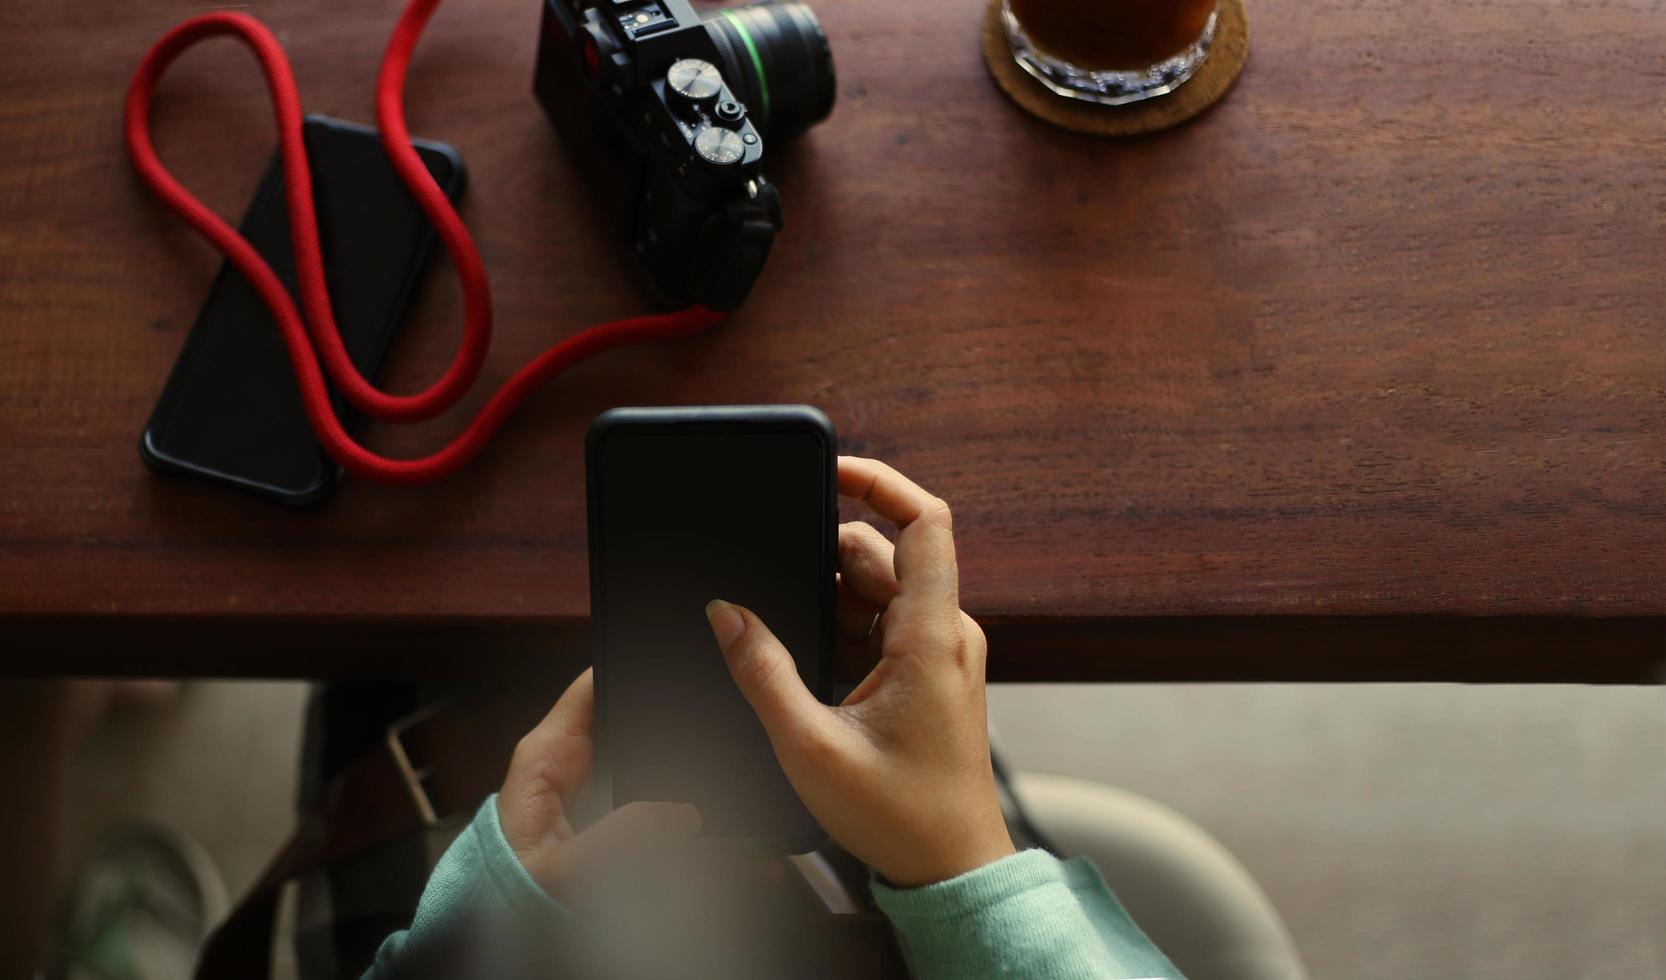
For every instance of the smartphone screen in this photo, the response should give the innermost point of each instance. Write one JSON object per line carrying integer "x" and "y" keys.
{"x": 231, "y": 410}
{"x": 686, "y": 506}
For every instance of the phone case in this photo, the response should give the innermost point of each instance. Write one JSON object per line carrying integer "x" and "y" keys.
{"x": 269, "y": 195}
{"x": 731, "y": 417}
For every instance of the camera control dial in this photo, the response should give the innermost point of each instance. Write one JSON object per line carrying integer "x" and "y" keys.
{"x": 719, "y": 146}
{"x": 694, "y": 80}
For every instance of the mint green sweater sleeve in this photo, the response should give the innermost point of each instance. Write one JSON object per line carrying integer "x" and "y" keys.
{"x": 1028, "y": 916}
{"x": 478, "y": 874}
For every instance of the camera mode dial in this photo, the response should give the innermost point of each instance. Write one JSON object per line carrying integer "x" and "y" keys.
{"x": 695, "y": 81}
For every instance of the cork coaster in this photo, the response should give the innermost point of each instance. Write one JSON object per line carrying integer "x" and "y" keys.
{"x": 1227, "y": 55}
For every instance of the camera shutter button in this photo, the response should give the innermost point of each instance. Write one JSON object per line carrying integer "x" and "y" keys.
{"x": 730, "y": 113}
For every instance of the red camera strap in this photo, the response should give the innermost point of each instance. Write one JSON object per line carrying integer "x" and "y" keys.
{"x": 322, "y": 342}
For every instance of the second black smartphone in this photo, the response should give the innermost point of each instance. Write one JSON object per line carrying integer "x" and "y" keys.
{"x": 231, "y": 411}
{"x": 688, "y": 505}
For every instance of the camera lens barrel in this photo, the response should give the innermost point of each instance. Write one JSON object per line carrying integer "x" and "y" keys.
{"x": 776, "y": 58}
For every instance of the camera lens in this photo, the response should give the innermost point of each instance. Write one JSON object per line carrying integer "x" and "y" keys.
{"x": 776, "y": 59}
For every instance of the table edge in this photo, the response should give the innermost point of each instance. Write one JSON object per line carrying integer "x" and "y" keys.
{"x": 1023, "y": 649}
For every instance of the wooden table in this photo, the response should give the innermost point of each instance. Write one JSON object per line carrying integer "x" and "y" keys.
{"x": 1362, "y": 375}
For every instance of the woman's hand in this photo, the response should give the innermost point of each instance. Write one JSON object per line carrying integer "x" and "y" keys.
{"x": 549, "y": 770}
{"x": 898, "y": 774}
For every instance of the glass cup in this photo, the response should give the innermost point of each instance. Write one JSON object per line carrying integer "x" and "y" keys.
{"x": 1110, "y": 51}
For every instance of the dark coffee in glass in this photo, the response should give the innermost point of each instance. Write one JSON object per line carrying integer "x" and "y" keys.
{"x": 1110, "y": 51}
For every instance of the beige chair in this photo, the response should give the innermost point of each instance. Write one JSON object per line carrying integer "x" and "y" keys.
{"x": 1189, "y": 894}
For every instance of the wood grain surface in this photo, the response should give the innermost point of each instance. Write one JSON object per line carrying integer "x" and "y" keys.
{"x": 1360, "y": 374}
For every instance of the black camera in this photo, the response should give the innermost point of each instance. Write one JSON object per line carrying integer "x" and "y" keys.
{"x": 667, "y": 112}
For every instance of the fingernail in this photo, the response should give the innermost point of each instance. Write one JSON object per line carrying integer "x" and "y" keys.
{"x": 726, "y": 622}
{"x": 688, "y": 820}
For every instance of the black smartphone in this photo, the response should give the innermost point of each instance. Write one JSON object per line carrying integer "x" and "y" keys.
{"x": 231, "y": 410}
{"x": 687, "y": 505}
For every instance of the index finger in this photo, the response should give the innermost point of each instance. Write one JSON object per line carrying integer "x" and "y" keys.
{"x": 924, "y": 559}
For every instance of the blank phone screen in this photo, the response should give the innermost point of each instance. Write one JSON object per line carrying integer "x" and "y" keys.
{"x": 687, "y": 514}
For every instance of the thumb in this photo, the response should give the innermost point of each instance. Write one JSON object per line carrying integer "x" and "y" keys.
{"x": 763, "y": 670}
